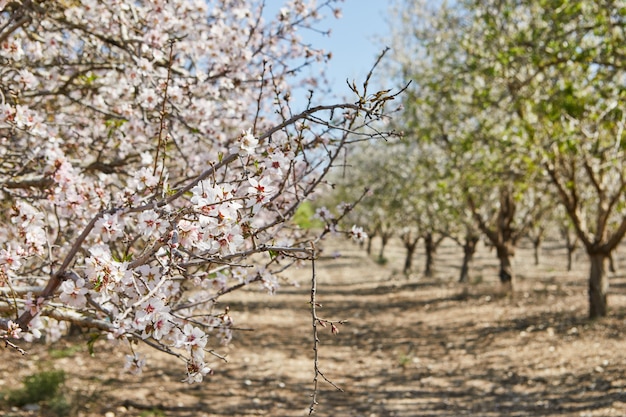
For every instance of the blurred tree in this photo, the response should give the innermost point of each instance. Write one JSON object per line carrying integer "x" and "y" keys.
{"x": 526, "y": 93}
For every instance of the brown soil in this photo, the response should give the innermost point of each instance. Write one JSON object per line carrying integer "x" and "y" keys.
{"x": 411, "y": 347}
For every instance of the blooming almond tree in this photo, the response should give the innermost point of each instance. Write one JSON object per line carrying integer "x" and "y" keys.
{"x": 149, "y": 151}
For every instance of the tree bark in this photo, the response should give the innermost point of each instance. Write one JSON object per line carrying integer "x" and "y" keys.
{"x": 537, "y": 249}
{"x": 428, "y": 240}
{"x": 384, "y": 238}
{"x": 598, "y": 286}
{"x": 570, "y": 256}
{"x": 505, "y": 253}
{"x": 431, "y": 244}
{"x": 612, "y": 264}
{"x": 571, "y": 247}
{"x": 469, "y": 249}
{"x": 503, "y": 236}
{"x": 371, "y": 234}
{"x": 408, "y": 261}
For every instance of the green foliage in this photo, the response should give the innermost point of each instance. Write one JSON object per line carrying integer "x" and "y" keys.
{"x": 41, "y": 387}
{"x": 304, "y": 217}
{"x": 65, "y": 353}
{"x": 59, "y": 406}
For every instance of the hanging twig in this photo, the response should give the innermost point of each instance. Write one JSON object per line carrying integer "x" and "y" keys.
{"x": 315, "y": 321}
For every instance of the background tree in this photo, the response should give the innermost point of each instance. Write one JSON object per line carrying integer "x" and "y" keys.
{"x": 451, "y": 105}
{"x": 541, "y": 80}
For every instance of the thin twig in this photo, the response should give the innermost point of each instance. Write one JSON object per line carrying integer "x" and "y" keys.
{"x": 14, "y": 346}
{"x": 316, "y": 339}
{"x": 315, "y": 320}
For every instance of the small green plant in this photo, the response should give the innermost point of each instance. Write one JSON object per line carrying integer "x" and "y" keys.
{"x": 478, "y": 279}
{"x": 404, "y": 361}
{"x": 66, "y": 352}
{"x": 381, "y": 260}
{"x": 304, "y": 217}
{"x": 42, "y": 387}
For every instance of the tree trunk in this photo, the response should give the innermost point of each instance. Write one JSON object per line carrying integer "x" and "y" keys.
{"x": 431, "y": 248}
{"x": 537, "y": 249}
{"x": 598, "y": 286}
{"x": 408, "y": 261}
{"x": 371, "y": 234}
{"x": 612, "y": 264}
{"x": 570, "y": 245}
{"x": 507, "y": 274}
{"x": 369, "y": 245}
{"x": 570, "y": 255}
{"x": 469, "y": 249}
{"x": 384, "y": 237}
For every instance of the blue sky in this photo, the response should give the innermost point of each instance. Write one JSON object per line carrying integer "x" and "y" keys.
{"x": 355, "y": 42}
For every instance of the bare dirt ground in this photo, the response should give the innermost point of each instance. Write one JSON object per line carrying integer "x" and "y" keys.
{"x": 411, "y": 347}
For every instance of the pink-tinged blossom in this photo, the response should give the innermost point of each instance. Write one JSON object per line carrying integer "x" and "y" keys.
{"x": 31, "y": 227}
{"x": 144, "y": 179}
{"x": 26, "y": 118}
{"x": 187, "y": 233}
{"x": 13, "y": 330}
{"x": 219, "y": 282}
{"x": 191, "y": 337}
{"x": 73, "y": 293}
{"x": 150, "y": 309}
{"x": 261, "y": 190}
{"x": 323, "y": 214}
{"x": 344, "y": 207}
{"x": 242, "y": 275}
{"x": 149, "y": 222}
{"x": 196, "y": 370}
{"x": 247, "y": 143}
{"x": 204, "y": 195}
{"x": 228, "y": 213}
{"x": 135, "y": 363}
{"x": 11, "y": 49}
{"x": 103, "y": 272}
{"x": 34, "y": 330}
{"x": 148, "y": 98}
{"x": 7, "y": 113}
{"x": 230, "y": 241}
{"x": 109, "y": 227}
{"x": 27, "y": 80}
{"x": 357, "y": 234}
{"x": 162, "y": 326}
{"x": 10, "y": 258}
{"x": 32, "y": 305}
{"x": 149, "y": 274}
{"x": 278, "y": 163}
{"x": 268, "y": 280}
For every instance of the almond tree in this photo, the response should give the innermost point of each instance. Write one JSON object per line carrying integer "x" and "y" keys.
{"x": 150, "y": 162}
{"x": 563, "y": 68}
{"x": 549, "y": 76}
{"x": 454, "y": 107}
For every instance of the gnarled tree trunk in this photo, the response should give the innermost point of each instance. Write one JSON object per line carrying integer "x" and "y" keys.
{"x": 384, "y": 239}
{"x": 430, "y": 247}
{"x": 431, "y": 244}
{"x": 570, "y": 245}
{"x": 537, "y": 249}
{"x": 410, "y": 244}
{"x": 469, "y": 249}
{"x": 598, "y": 285}
{"x": 505, "y": 253}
